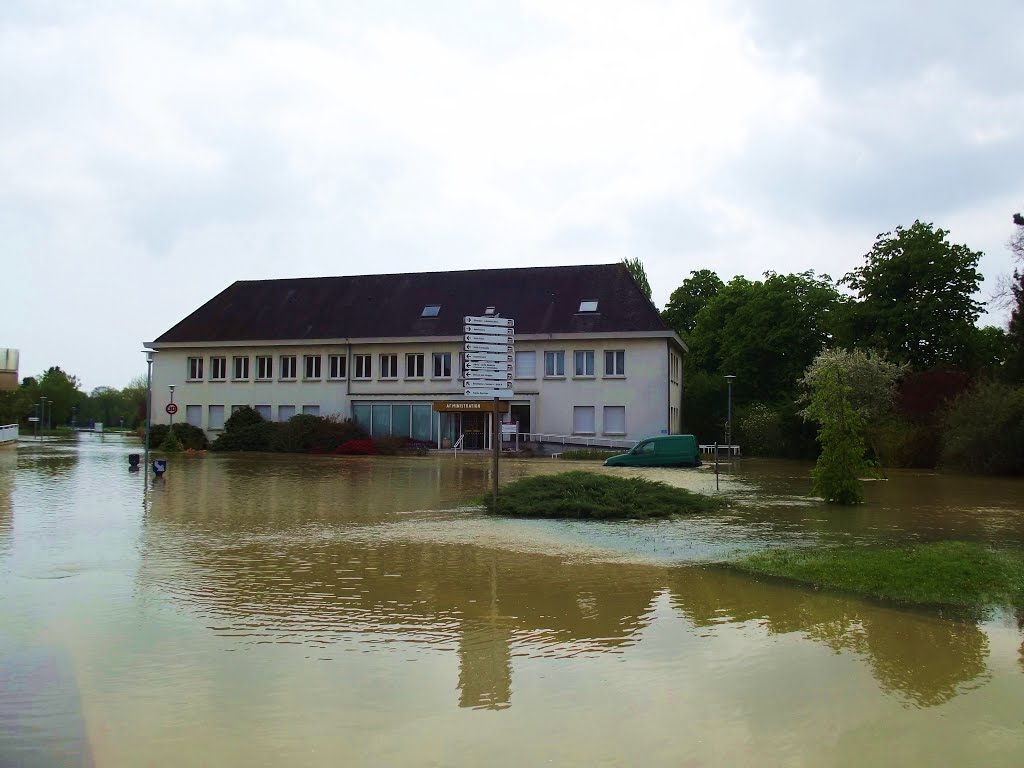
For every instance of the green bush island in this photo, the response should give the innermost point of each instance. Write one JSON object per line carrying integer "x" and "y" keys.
{"x": 600, "y": 497}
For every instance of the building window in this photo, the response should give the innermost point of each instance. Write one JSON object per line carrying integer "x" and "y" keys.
{"x": 526, "y": 365}
{"x": 414, "y": 366}
{"x": 615, "y": 362}
{"x": 288, "y": 365}
{"x": 240, "y": 372}
{"x": 584, "y": 362}
{"x": 311, "y": 410}
{"x": 194, "y": 415}
{"x": 264, "y": 367}
{"x": 431, "y": 310}
{"x": 215, "y": 415}
{"x": 285, "y": 412}
{"x": 264, "y": 411}
{"x": 673, "y": 417}
{"x": 442, "y": 365}
{"x": 362, "y": 364}
{"x": 389, "y": 366}
{"x": 337, "y": 366}
{"x": 673, "y": 367}
{"x": 195, "y": 368}
{"x": 311, "y": 366}
{"x": 583, "y": 420}
{"x": 554, "y": 363}
{"x": 218, "y": 368}
{"x": 615, "y": 419}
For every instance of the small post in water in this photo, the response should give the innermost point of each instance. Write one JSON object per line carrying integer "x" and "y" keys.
{"x": 716, "y": 466}
{"x": 496, "y": 440}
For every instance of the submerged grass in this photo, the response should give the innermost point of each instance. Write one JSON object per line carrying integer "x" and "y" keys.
{"x": 954, "y": 573}
{"x": 601, "y": 497}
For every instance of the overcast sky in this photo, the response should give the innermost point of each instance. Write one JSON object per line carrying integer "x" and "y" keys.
{"x": 151, "y": 153}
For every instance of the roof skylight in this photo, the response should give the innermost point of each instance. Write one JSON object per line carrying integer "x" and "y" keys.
{"x": 588, "y": 306}
{"x": 431, "y": 310}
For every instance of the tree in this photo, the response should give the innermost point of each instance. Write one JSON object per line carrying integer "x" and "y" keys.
{"x": 766, "y": 333}
{"x": 686, "y": 301}
{"x": 635, "y": 267}
{"x": 841, "y": 464}
{"x": 915, "y": 297}
{"x": 1014, "y": 366}
{"x": 62, "y": 391}
{"x": 870, "y": 378}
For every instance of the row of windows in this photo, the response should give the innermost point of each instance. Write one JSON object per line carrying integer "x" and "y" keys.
{"x": 215, "y": 413}
{"x": 408, "y": 419}
{"x": 441, "y": 366}
{"x": 312, "y": 367}
{"x": 614, "y": 420}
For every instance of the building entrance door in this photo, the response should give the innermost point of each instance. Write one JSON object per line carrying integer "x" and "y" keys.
{"x": 521, "y": 412}
{"x": 474, "y": 427}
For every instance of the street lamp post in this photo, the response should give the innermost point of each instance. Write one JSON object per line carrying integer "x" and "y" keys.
{"x": 149, "y": 405}
{"x": 42, "y": 417}
{"x": 728, "y": 418}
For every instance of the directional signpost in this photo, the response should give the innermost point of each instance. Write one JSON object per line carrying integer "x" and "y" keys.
{"x": 489, "y": 368}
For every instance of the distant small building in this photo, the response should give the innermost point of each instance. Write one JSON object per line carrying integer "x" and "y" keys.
{"x": 8, "y": 369}
{"x": 593, "y": 358}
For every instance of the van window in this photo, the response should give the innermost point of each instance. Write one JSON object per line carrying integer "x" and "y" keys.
{"x": 644, "y": 449}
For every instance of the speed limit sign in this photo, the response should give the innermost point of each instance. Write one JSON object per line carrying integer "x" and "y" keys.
{"x": 171, "y": 408}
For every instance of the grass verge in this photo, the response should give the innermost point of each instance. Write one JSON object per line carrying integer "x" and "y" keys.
{"x": 599, "y": 497}
{"x": 955, "y": 573}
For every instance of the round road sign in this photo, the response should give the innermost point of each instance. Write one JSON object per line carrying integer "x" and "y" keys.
{"x": 171, "y": 408}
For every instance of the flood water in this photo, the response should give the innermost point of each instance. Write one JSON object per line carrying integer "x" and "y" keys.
{"x": 293, "y": 610}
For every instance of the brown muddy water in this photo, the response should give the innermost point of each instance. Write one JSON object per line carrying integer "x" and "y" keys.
{"x": 279, "y": 610}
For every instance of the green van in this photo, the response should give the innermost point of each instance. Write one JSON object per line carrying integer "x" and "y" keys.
{"x": 660, "y": 451}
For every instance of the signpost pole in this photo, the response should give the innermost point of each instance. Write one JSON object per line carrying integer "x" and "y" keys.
{"x": 496, "y": 439}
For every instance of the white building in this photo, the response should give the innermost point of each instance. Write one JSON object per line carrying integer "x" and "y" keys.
{"x": 593, "y": 359}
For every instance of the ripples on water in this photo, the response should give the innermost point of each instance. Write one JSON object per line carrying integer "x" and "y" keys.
{"x": 243, "y": 609}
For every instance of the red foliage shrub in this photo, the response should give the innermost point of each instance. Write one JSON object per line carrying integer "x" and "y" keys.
{"x": 357, "y": 448}
{"x": 924, "y": 394}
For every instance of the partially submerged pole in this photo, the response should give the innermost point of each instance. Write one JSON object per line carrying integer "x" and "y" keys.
{"x": 496, "y": 442}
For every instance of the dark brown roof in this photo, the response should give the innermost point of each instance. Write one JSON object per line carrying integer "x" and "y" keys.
{"x": 540, "y": 299}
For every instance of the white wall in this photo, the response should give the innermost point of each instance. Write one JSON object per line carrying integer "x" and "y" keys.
{"x": 644, "y": 390}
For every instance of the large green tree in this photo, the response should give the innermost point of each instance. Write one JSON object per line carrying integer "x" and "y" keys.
{"x": 915, "y": 298}
{"x": 686, "y": 301}
{"x": 63, "y": 394}
{"x": 764, "y": 332}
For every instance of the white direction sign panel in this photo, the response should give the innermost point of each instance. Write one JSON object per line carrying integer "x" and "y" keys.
{"x": 488, "y": 357}
{"x": 493, "y": 348}
{"x": 489, "y": 330}
{"x": 488, "y": 320}
{"x": 489, "y": 365}
{"x": 480, "y": 338}
{"x": 502, "y": 394}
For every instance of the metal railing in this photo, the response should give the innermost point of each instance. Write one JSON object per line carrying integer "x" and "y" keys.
{"x": 728, "y": 450}
{"x": 584, "y": 440}
{"x": 8, "y": 433}
{"x": 459, "y": 444}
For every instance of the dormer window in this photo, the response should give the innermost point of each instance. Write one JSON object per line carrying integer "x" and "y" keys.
{"x": 431, "y": 310}
{"x": 489, "y": 311}
{"x": 588, "y": 306}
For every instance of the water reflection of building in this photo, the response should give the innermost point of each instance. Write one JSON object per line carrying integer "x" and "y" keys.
{"x": 923, "y": 657}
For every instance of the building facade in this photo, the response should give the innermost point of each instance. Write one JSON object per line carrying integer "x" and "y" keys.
{"x": 8, "y": 369}
{"x": 593, "y": 360}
